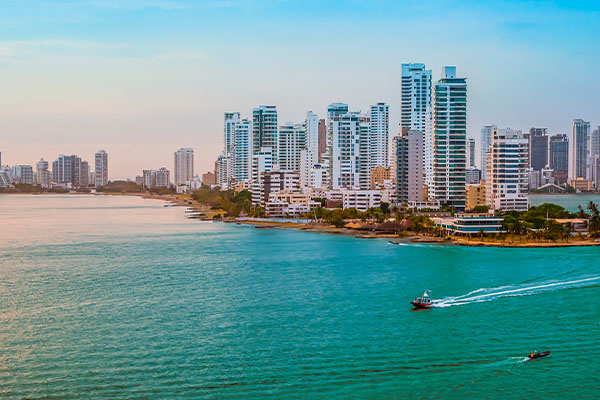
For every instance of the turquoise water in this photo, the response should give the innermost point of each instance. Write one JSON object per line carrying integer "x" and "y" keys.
{"x": 569, "y": 201}
{"x": 117, "y": 297}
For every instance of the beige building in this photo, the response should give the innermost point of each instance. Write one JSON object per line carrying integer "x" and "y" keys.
{"x": 209, "y": 178}
{"x": 581, "y": 185}
{"x": 378, "y": 177}
{"x": 475, "y": 195}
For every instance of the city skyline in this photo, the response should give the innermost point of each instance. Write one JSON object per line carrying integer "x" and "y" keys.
{"x": 94, "y": 75}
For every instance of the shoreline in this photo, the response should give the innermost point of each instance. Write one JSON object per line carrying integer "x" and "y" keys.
{"x": 179, "y": 200}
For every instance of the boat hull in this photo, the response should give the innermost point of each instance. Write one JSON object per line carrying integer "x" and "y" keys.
{"x": 539, "y": 355}
{"x": 420, "y": 305}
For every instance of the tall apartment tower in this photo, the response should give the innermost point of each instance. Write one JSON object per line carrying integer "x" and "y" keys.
{"x": 595, "y": 143}
{"x": 334, "y": 111}
{"x": 264, "y": 129}
{"x": 262, "y": 161}
{"x": 538, "y": 148}
{"x": 242, "y": 151}
{"x": 184, "y": 165}
{"x": 291, "y": 142}
{"x": 470, "y": 153}
{"x": 449, "y": 134}
{"x": 231, "y": 121}
{"x": 101, "y": 168}
{"x": 322, "y": 139}
{"x": 350, "y": 166}
{"x": 507, "y": 171}
{"x": 416, "y": 96}
{"x": 42, "y": 174}
{"x": 559, "y": 157}
{"x": 485, "y": 142}
{"x": 408, "y": 165}
{"x": 379, "y": 131}
{"x": 309, "y": 155}
{"x": 66, "y": 170}
{"x": 580, "y": 150}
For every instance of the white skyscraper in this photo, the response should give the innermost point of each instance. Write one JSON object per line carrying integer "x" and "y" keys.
{"x": 184, "y": 165}
{"x": 231, "y": 121}
{"x": 264, "y": 129}
{"x": 101, "y": 168}
{"x": 309, "y": 156}
{"x": 486, "y": 141}
{"x": 350, "y": 151}
{"x": 334, "y": 110}
{"x": 449, "y": 134}
{"x": 379, "y": 129}
{"x": 416, "y": 96}
{"x": 507, "y": 171}
{"x": 580, "y": 149}
{"x": 291, "y": 142}
{"x": 42, "y": 174}
{"x": 262, "y": 161}
{"x": 242, "y": 151}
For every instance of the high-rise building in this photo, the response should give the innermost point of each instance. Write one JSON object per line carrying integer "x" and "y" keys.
{"x": 42, "y": 174}
{"x": 292, "y": 139}
{"x": 538, "y": 148}
{"x": 472, "y": 175}
{"x": 379, "y": 130}
{"x": 84, "y": 174}
{"x": 322, "y": 139}
{"x": 416, "y": 96}
{"x": 184, "y": 165}
{"x": 242, "y": 151}
{"x": 66, "y": 170}
{"x": 408, "y": 159}
{"x": 334, "y": 111}
{"x": 262, "y": 161}
{"x": 22, "y": 174}
{"x": 486, "y": 141}
{"x": 309, "y": 156}
{"x": 470, "y": 153}
{"x": 209, "y": 178}
{"x": 580, "y": 149}
{"x": 595, "y": 143}
{"x": 350, "y": 145}
{"x": 231, "y": 121}
{"x": 223, "y": 171}
{"x": 101, "y": 168}
{"x": 507, "y": 171}
{"x": 156, "y": 178}
{"x": 559, "y": 158}
{"x": 449, "y": 134}
{"x": 264, "y": 129}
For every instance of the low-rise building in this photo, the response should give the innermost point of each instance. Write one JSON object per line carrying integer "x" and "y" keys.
{"x": 22, "y": 174}
{"x": 471, "y": 224}
{"x": 581, "y": 185}
{"x": 362, "y": 200}
{"x": 156, "y": 178}
{"x": 476, "y": 195}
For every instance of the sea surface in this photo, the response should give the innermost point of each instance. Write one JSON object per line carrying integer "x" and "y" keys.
{"x": 569, "y": 201}
{"x": 122, "y": 298}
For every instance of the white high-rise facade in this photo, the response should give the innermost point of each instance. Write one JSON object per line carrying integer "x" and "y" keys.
{"x": 485, "y": 142}
{"x": 42, "y": 174}
{"x": 291, "y": 142}
{"x": 264, "y": 129}
{"x": 580, "y": 149}
{"x": 242, "y": 151}
{"x": 449, "y": 134}
{"x": 507, "y": 171}
{"x": 101, "y": 168}
{"x": 184, "y": 165}
{"x": 262, "y": 161}
{"x": 416, "y": 96}
{"x": 350, "y": 151}
{"x": 309, "y": 156}
{"x": 379, "y": 130}
{"x": 231, "y": 121}
{"x": 334, "y": 111}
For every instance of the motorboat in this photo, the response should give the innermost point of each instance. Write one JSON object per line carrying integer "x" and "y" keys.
{"x": 393, "y": 242}
{"x": 422, "y": 302}
{"x": 535, "y": 354}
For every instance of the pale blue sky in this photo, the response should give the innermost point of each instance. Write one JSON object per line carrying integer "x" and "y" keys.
{"x": 141, "y": 78}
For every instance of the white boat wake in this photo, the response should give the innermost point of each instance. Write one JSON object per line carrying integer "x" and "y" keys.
{"x": 490, "y": 294}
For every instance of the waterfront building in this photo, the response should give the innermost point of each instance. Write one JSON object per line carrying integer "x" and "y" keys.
{"x": 262, "y": 162}
{"x": 580, "y": 150}
{"x": 22, "y": 174}
{"x": 209, "y": 178}
{"x": 380, "y": 177}
{"x": 322, "y": 139}
{"x": 286, "y": 203}
{"x": 379, "y": 130}
{"x": 5, "y": 177}
{"x": 475, "y": 195}
{"x": 334, "y": 111}
{"x": 486, "y": 141}
{"x": 595, "y": 143}
{"x": 156, "y": 178}
{"x": 223, "y": 171}
{"x": 533, "y": 179}
{"x": 350, "y": 159}
{"x": 472, "y": 175}
{"x": 309, "y": 155}
{"x": 292, "y": 139}
{"x": 538, "y": 148}
{"x": 507, "y": 174}
{"x": 595, "y": 167}
{"x": 42, "y": 174}
{"x": 264, "y": 130}
{"x": 66, "y": 171}
{"x": 139, "y": 180}
{"x": 408, "y": 157}
{"x": 449, "y": 132}
{"x": 231, "y": 119}
{"x": 416, "y": 96}
{"x": 471, "y": 224}
{"x": 275, "y": 181}
{"x": 559, "y": 158}
{"x": 581, "y": 185}
{"x": 470, "y": 153}
{"x": 242, "y": 151}
{"x": 84, "y": 174}
{"x": 362, "y": 200}
{"x": 101, "y": 168}
{"x": 184, "y": 165}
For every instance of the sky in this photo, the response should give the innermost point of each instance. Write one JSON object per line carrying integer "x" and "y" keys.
{"x": 142, "y": 78}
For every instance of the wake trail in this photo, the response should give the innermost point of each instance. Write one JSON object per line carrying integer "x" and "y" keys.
{"x": 508, "y": 291}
